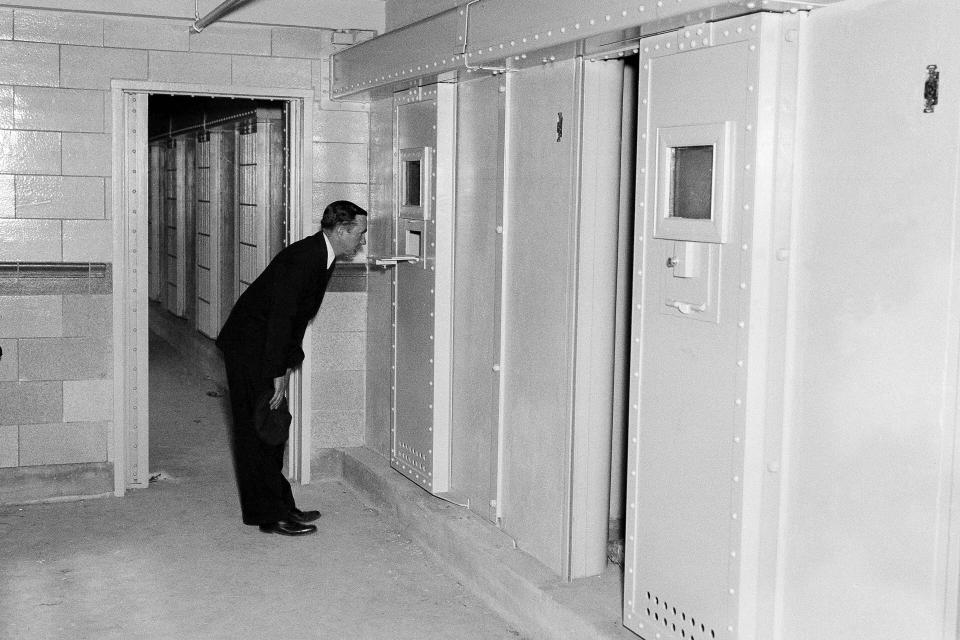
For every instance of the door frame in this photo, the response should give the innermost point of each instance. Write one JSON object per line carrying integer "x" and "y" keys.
{"x": 128, "y": 448}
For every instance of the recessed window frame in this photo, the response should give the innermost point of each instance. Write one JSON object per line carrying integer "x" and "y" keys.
{"x": 422, "y": 155}
{"x": 720, "y": 136}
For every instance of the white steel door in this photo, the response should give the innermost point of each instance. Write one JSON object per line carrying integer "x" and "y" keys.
{"x": 424, "y": 139}
{"x": 539, "y": 270}
{"x": 707, "y": 127}
{"x": 412, "y": 437}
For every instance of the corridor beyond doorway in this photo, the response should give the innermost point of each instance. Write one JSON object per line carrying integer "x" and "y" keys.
{"x": 174, "y": 561}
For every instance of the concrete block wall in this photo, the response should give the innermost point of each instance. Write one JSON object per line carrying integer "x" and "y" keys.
{"x": 56, "y": 387}
{"x": 339, "y": 376}
{"x": 55, "y": 207}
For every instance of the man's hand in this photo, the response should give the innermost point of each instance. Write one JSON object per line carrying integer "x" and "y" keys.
{"x": 280, "y": 389}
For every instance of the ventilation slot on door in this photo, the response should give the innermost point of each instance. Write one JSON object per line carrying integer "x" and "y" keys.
{"x": 676, "y": 620}
{"x": 411, "y": 456}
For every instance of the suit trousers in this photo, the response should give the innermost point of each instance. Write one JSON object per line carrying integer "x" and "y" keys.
{"x": 265, "y": 494}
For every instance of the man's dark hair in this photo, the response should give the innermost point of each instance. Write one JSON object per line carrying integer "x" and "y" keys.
{"x": 340, "y": 212}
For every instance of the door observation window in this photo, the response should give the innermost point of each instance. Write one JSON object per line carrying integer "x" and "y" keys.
{"x": 415, "y": 183}
{"x": 694, "y": 182}
{"x": 691, "y": 196}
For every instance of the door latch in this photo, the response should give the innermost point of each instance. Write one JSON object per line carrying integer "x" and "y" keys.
{"x": 392, "y": 261}
{"x": 931, "y": 88}
{"x": 686, "y": 307}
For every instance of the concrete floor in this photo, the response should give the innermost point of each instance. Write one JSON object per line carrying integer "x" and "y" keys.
{"x": 174, "y": 560}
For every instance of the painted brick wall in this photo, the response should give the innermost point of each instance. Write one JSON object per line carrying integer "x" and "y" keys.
{"x": 55, "y": 206}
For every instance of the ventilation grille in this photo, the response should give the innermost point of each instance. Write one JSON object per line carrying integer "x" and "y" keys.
{"x": 411, "y": 456}
{"x": 673, "y": 618}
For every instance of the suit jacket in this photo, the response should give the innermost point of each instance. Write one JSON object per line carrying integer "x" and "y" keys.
{"x": 264, "y": 331}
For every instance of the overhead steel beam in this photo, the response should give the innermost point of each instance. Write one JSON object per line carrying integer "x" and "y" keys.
{"x": 504, "y": 33}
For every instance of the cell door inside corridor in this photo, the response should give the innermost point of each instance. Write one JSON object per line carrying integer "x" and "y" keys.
{"x": 705, "y": 155}
{"x": 174, "y": 228}
{"x": 261, "y": 204}
{"x": 422, "y": 281}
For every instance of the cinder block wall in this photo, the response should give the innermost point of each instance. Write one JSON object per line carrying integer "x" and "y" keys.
{"x": 55, "y": 207}
{"x": 339, "y": 351}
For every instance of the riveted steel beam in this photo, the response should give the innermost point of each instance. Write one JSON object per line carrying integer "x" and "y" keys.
{"x": 496, "y": 35}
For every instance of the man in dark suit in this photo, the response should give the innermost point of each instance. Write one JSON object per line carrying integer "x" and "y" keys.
{"x": 261, "y": 344}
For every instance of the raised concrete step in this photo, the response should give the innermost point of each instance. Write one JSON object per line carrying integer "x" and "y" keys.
{"x": 484, "y": 559}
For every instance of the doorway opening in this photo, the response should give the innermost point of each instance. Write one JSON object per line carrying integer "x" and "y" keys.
{"x": 218, "y": 213}
{"x": 208, "y": 186}
{"x": 626, "y": 113}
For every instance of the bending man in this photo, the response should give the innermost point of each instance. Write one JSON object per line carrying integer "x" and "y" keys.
{"x": 261, "y": 344}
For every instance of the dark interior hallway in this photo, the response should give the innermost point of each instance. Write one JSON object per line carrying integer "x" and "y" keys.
{"x": 174, "y": 561}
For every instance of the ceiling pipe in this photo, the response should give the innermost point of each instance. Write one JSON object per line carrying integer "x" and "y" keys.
{"x": 221, "y": 10}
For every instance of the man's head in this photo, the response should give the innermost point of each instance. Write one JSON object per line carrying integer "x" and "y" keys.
{"x": 345, "y": 225}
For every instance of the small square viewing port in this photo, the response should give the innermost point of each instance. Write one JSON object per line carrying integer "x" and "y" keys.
{"x": 413, "y": 245}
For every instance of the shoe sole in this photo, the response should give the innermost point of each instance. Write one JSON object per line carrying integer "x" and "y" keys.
{"x": 289, "y": 533}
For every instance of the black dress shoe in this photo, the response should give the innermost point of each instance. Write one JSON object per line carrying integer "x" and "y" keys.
{"x": 288, "y": 528}
{"x": 303, "y": 517}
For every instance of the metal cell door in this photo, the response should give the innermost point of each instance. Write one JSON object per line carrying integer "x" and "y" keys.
{"x": 692, "y": 520}
{"x": 174, "y": 215}
{"x": 205, "y": 277}
{"x": 251, "y": 252}
{"x": 261, "y": 180}
{"x": 412, "y": 445}
{"x": 538, "y": 271}
{"x": 215, "y": 228}
{"x": 155, "y": 221}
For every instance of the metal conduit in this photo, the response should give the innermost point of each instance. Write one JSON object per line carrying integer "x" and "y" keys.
{"x": 221, "y": 10}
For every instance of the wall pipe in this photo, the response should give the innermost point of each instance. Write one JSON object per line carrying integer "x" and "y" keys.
{"x": 221, "y": 10}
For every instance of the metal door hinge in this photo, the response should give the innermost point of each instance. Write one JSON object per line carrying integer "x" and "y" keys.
{"x": 931, "y": 88}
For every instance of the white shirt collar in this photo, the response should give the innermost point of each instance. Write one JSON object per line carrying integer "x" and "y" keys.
{"x": 330, "y": 254}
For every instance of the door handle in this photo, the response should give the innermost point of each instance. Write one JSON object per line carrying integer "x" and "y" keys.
{"x": 686, "y": 307}
{"x": 392, "y": 261}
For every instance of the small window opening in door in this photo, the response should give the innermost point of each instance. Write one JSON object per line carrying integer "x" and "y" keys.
{"x": 411, "y": 183}
{"x": 413, "y": 245}
{"x": 692, "y": 180}
{"x": 414, "y": 180}
{"x": 694, "y": 169}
